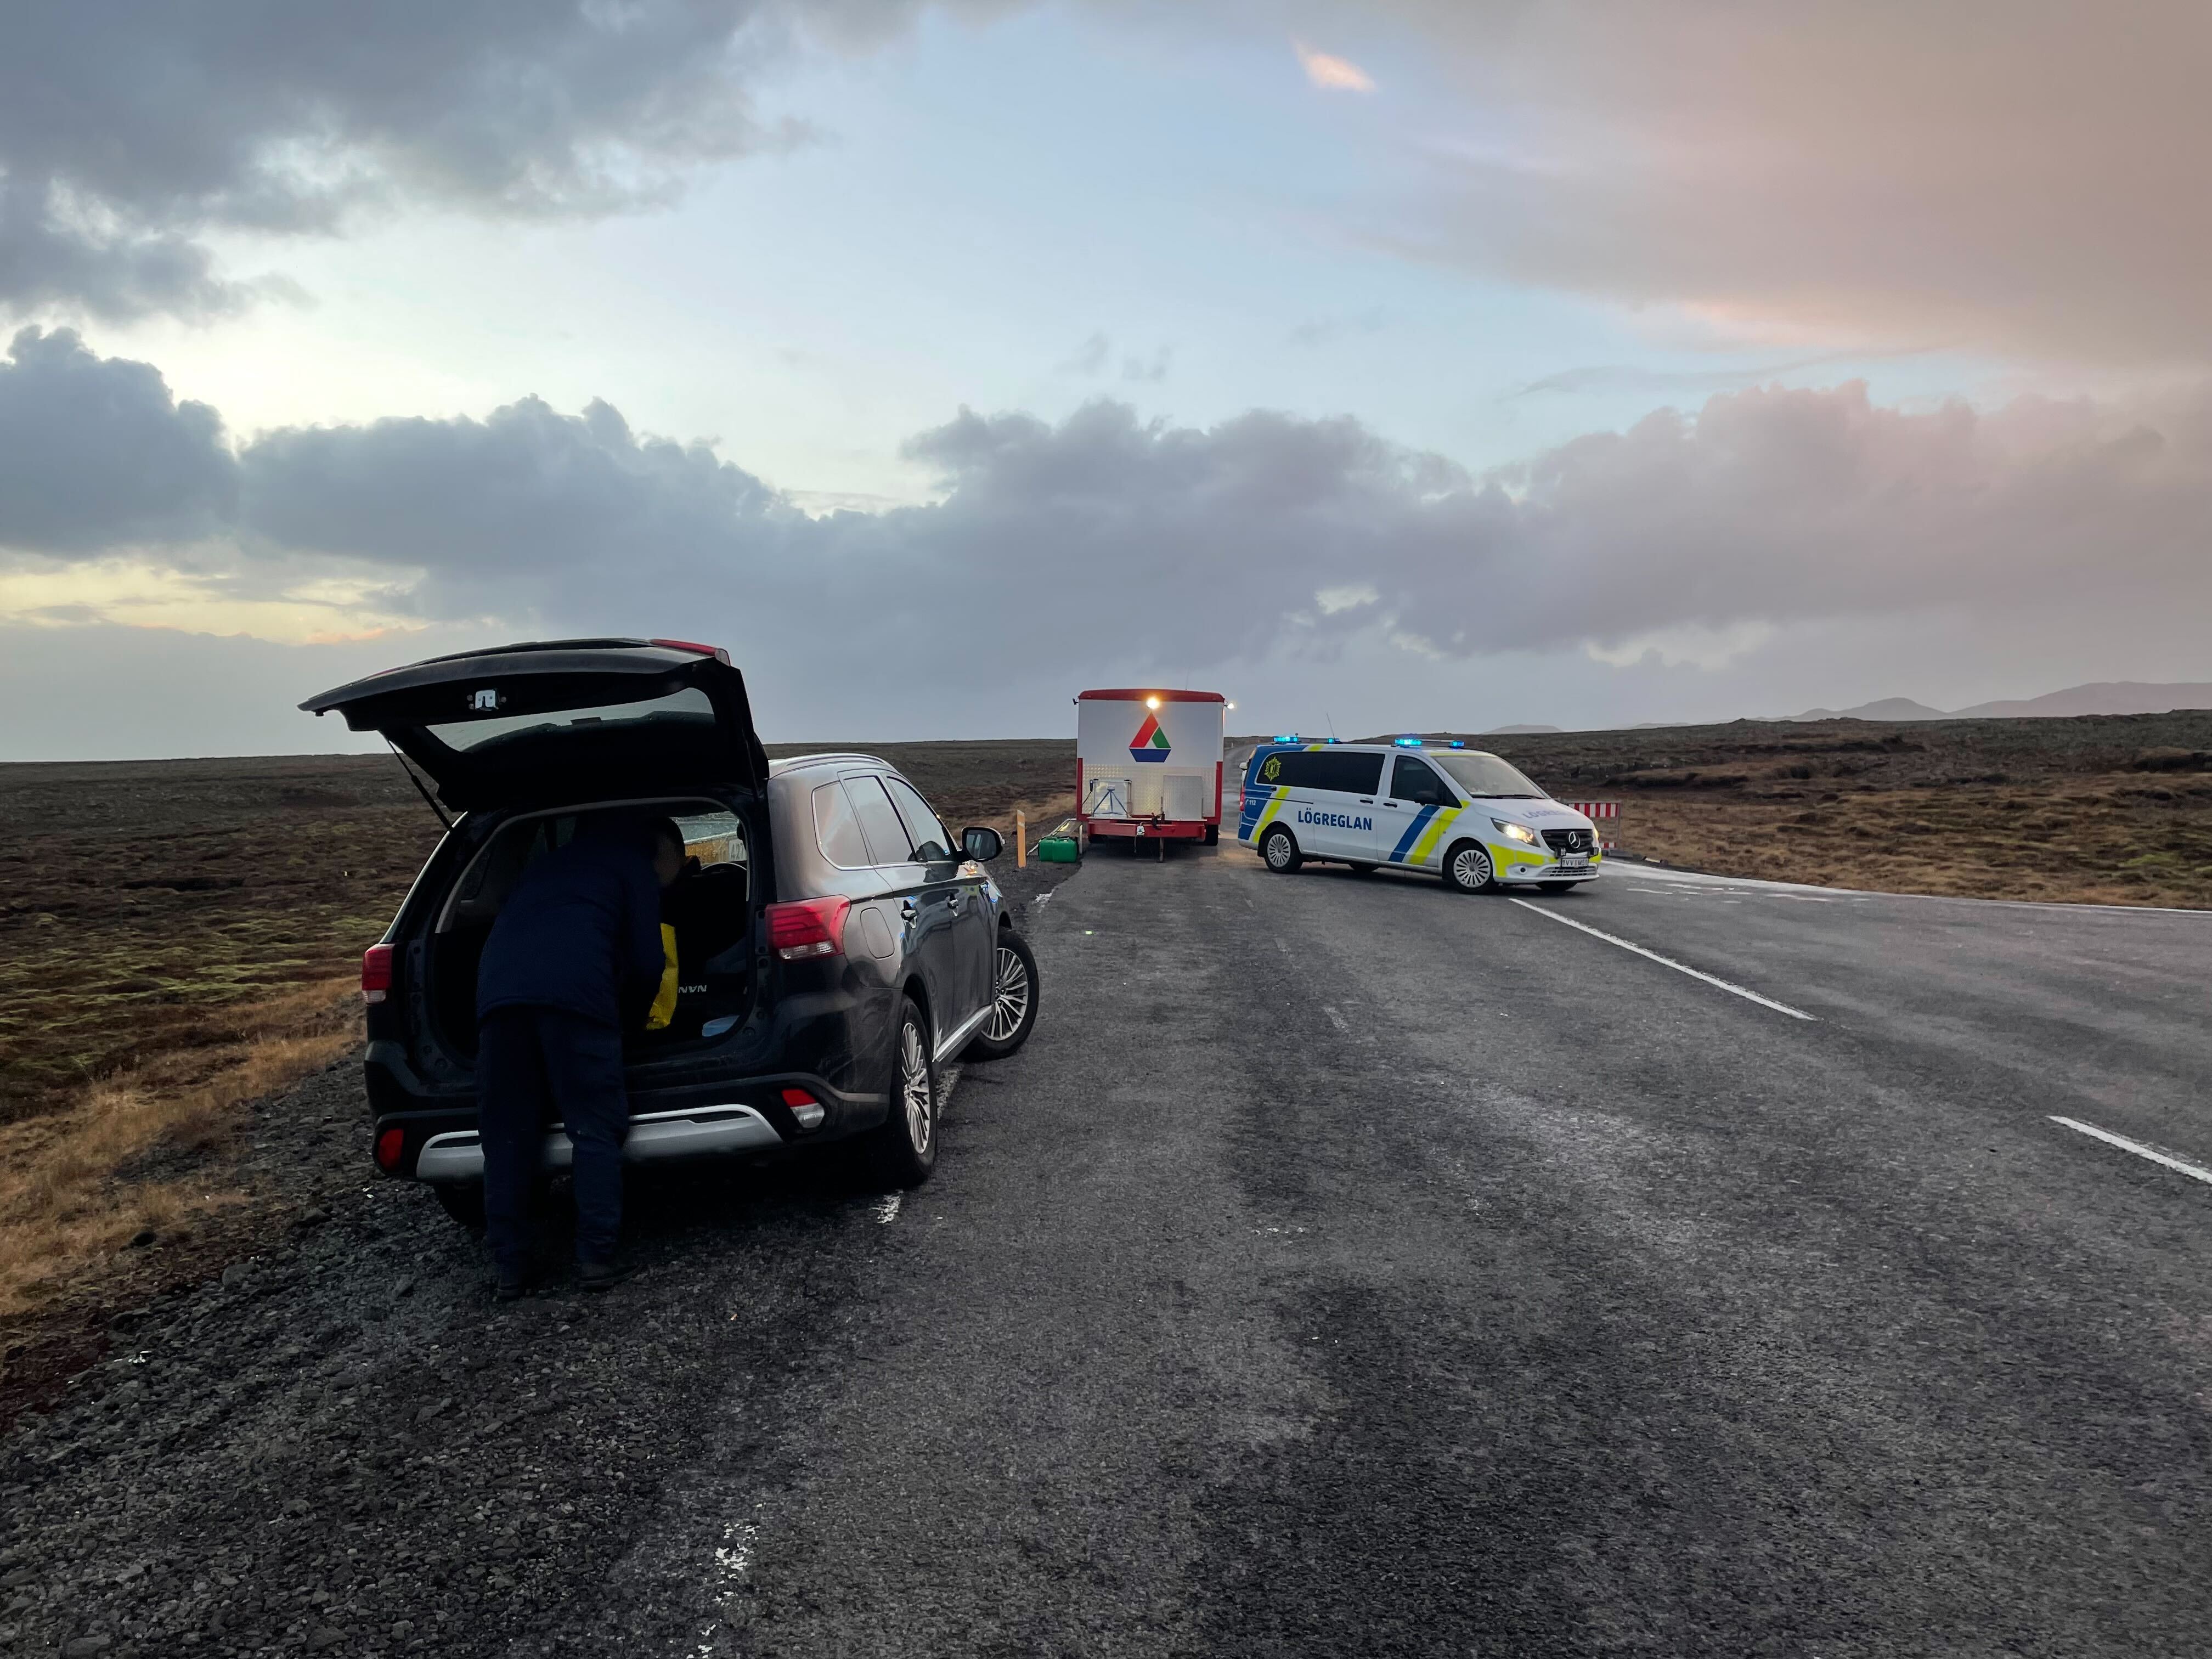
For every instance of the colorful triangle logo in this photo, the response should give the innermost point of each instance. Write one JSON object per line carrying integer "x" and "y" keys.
{"x": 1150, "y": 743}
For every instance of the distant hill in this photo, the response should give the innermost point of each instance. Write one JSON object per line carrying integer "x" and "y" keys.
{"x": 1889, "y": 708}
{"x": 1519, "y": 730}
{"x": 2107, "y": 697}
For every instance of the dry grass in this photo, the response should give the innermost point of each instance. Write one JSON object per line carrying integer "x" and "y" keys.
{"x": 2111, "y": 810}
{"x": 143, "y": 1150}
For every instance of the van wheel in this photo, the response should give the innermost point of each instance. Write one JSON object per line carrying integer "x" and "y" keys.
{"x": 1280, "y": 850}
{"x": 1467, "y": 869}
{"x": 901, "y": 1151}
{"x": 464, "y": 1201}
{"x": 1013, "y": 1000}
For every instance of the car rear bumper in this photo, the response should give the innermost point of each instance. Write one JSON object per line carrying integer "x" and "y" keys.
{"x": 457, "y": 1155}
{"x": 432, "y": 1135}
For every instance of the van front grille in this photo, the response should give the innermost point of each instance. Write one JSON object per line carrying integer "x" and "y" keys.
{"x": 1571, "y": 841}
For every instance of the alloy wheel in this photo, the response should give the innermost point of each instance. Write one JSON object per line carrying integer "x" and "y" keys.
{"x": 1471, "y": 869}
{"x": 913, "y": 1086}
{"x": 1010, "y": 997}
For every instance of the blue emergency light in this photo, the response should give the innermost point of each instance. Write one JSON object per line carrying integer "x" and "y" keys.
{"x": 1406, "y": 743}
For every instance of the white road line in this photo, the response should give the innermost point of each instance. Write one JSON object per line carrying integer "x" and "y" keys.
{"x": 2137, "y": 1147}
{"x": 1668, "y": 961}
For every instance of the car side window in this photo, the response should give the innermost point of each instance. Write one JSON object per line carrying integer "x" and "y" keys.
{"x": 1412, "y": 780}
{"x": 933, "y": 843}
{"x": 887, "y": 841}
{"x": 837, "y": 828}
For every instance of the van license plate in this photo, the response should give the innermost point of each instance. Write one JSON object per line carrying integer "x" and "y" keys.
{"x": 1575, "y": 861}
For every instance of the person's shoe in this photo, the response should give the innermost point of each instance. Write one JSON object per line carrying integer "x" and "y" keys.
{"x": 602, "y": 1275}
{"x": 510, "y": 1286}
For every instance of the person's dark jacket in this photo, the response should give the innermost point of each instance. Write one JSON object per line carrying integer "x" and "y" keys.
{"x": 580, "y": 932}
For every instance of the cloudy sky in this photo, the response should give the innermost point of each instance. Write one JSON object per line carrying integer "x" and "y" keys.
{"x": 1406, "y": 364}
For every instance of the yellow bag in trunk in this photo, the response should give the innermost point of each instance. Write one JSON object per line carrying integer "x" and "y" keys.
{"x": 664, "y": 1001}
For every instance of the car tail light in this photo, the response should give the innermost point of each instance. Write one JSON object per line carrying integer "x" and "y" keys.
{"x": 375, "y": 973}
{"x": 389, "y": 1145}
{"x": 808, "y": 1111}
{"x": 808, "y": 927}
{"x": 713, "y": 651}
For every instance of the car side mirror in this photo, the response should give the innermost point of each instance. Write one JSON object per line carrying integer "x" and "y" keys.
{"x": 981, "y": 842}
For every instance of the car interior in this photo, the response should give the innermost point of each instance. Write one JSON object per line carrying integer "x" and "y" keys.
{"x": 709, "y": 906}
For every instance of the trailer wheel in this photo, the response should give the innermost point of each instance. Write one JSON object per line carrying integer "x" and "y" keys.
{"x": 1280, "y": 850}
{"x": 1467, "y": 869}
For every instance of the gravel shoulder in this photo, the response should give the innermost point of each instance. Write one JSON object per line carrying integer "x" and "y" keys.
{"x": 339, "y": 1443}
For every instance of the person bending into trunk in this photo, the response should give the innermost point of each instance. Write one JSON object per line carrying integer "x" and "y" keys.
{"x": 575, "y": 957}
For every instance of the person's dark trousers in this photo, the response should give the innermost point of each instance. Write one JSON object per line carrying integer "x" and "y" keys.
{"x": 533, "y": 1066}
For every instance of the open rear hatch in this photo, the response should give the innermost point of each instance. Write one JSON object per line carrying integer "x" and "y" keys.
{"x": 563, "y": 719}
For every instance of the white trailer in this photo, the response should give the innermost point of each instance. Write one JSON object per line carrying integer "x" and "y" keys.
{"x": 1148, "y": 763}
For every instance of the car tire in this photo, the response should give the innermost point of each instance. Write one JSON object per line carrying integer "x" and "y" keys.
{"x": 1013, "y": 1000}
{"x": 1467, "y": 869}
{"x": 1555, "y": 887}
{"x": 1279, "y": 849}
{"x": 464, "y": 1200}
{"x": 901, "y": 1151}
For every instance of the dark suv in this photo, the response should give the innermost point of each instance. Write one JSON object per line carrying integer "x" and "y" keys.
{"x": 834, "y": 946}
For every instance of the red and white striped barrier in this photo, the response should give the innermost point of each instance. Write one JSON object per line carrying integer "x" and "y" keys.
{"x": 1597, "y": 811}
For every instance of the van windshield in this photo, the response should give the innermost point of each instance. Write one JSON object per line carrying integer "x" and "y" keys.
{"x": 687, "y": 709}
{"x": 1485, "y": 776}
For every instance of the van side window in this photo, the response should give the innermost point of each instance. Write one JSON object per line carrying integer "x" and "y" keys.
{"x": 932, "y": 841}
{"x": 1324, "y": 768}
{"x": 887, "y": 841}
{"x": 1414, "y": 781}
{"x": 837, "y": 828}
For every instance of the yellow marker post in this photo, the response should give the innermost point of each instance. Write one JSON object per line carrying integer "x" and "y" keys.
{"x": 1021, "y": 839}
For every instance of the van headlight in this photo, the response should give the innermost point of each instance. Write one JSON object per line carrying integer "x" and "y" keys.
{"x": 1520, "y": 832}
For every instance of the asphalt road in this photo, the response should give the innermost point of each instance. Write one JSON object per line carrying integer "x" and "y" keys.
{"x": 1353, "y": 1269}
{"x": 1345, "y": 1268}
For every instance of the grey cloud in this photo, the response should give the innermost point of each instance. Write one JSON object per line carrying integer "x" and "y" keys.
{"x": 129, "y": 129}
{"x": 1153, "y": 368}
{"x": 1107, "y": 537}
{"x": 96, "y": 452}
{"x": 1087, "y": 359}
{"x": 1633, "y": 378}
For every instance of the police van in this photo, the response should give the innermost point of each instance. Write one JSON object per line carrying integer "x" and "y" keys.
{"x": 1468, "y": 815}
